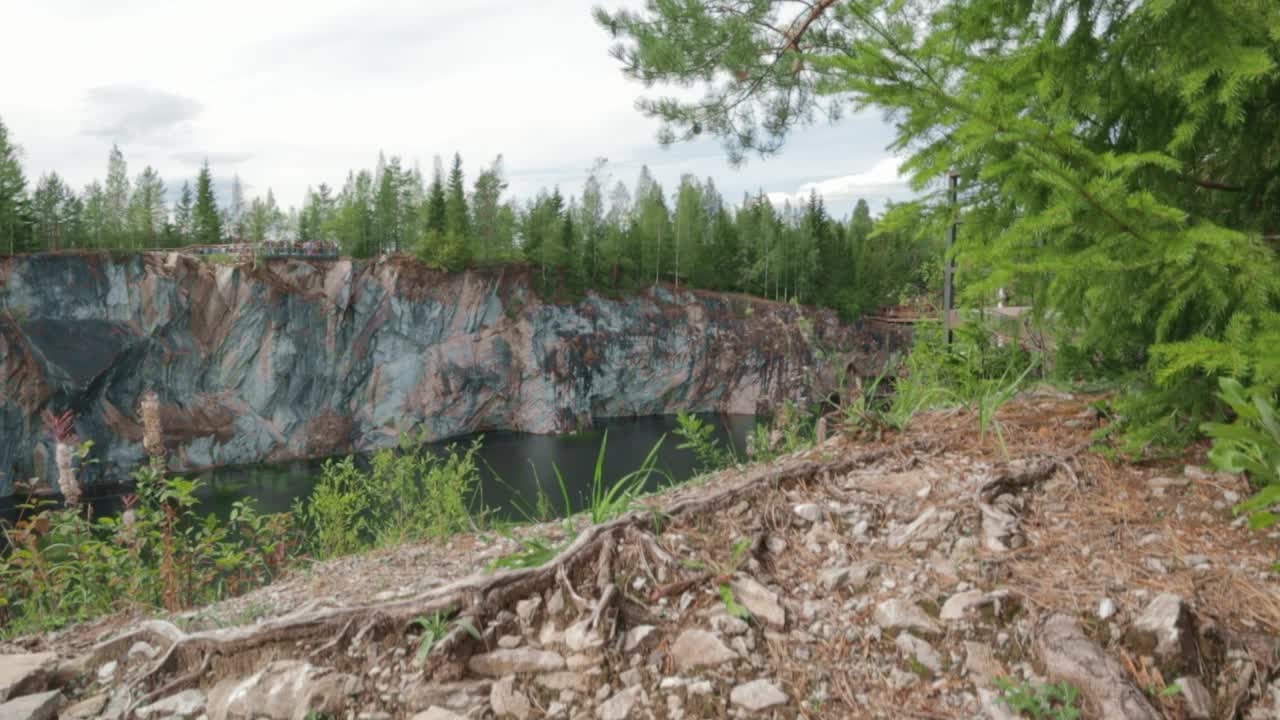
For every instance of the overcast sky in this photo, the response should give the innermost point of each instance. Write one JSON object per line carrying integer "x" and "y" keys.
{"x": 291, "y": 94}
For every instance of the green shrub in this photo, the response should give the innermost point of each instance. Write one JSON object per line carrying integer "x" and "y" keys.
{"x": 700, "y": 437}
{"x": 65, "y": 567}
{"x": 1040, "y": 701}
{"x": 408, "y": 493}
{"x": 1250, "y": 444}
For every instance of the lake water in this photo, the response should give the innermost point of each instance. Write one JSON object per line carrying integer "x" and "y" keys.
{"x": 511, "y": 466}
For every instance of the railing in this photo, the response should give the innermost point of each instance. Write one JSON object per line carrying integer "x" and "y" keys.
{"x": 268, "y": 249}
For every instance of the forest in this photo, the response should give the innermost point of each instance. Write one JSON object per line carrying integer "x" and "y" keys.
{"x": 607, "y": 237}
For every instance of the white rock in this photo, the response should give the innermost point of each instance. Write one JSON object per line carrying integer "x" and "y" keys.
{"x": 500, "y": 663}
{"x": 506, "y": 701}
{"x": 808, "y": 512}
{"x": 186, "y": 704}
{"x": 762, "y": 602}
{"x": 42, "y": 706}
{"x": 700, "y": 687}
{"x": 25, "y": 674}
{"x": 927, "y": 527}
{"x": 981, "y": 664}
{"x": 899, "y": 614}
{"x": 107, "y": 673}
{"x": 1165, "y": 628}
{"x": 1106, "y": 608}
{"x": 757, "y": 695}
{"x": 923, "y": 652}
{"x": 637, "y": 636}
{"x": 699, "y": 648}
{"x": 833, "y": 578}
{"x": 435, "y": 712}
{"x": 619, "y": 706}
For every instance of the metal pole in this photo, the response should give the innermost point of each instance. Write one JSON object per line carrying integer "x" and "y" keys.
{"x": 948, "y": 290}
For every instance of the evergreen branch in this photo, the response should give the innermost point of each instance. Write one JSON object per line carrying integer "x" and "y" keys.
{"x": 814, "y": 13}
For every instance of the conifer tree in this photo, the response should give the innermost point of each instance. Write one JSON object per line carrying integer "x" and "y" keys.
{"x": 436, "y": 207}
{"x": 184, "y": 216}
{"x": 13, "y": 189}
{"x": 206, "y": 223}
{"x": 1117, "y": 168}
{"x": 456, "y": 220}
{"x": 148, "y": 215}
{"x": 49, "y": 209}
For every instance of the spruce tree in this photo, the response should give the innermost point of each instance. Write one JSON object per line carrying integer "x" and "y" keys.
{"x": 456, "y": 220}
{"x": 206, "y": 223}
{"x": 184, "y": 216}
{"x": 436, "y": 207}
{"x": 1116, "y": 167}
{"x": 13, "y": 189}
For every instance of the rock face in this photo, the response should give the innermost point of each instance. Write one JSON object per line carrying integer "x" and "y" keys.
{"x": 297, "y": 359}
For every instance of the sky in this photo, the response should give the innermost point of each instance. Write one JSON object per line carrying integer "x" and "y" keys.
{"x": 289, "y": 94}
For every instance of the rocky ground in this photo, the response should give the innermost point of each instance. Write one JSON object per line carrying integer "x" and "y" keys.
{"x": 890, "y": 577}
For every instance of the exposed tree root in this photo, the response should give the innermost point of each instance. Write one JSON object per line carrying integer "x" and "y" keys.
{"x": 189, "y": 657}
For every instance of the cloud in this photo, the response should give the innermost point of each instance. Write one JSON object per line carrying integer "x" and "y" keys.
{"x": 882, "y": 180}
{"x": 216, "y": 159}
{"x": 131, "y": 113}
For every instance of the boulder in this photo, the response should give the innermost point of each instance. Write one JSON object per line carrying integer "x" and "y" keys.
{"x": 25, "y": 674}
{"x": 283, "y": 690}
{"x": 41, "y": 706}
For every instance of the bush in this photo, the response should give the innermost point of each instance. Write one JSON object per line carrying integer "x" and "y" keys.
{"x": 407, "y": 494}
{"x": 64, "y": 567}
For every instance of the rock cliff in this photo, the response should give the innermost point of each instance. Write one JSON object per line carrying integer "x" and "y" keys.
{"x": 294, "y": 359}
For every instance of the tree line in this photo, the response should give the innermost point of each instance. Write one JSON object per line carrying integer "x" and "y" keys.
{"x": 607, "y": 236}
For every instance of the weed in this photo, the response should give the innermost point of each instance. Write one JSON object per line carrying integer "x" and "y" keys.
{"x": 732, "y": 606}
{"x": 610, "y": 501}
{"x": 534, "y": 552}
{"x": 1040, "y": 701}
{"x": 66, "y": 567}
{"x": 700, "y": 437}
{"x": 1250, "y": 445}
{"x": 434, "y": 628}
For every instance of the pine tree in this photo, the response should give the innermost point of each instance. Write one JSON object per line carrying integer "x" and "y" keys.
{"x": 456, "y": 220}
{"x": 206, "y": 223}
